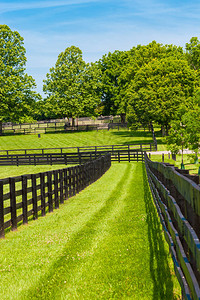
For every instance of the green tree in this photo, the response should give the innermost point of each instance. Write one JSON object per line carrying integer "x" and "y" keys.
{"x": 158, "y": 90}
{"x": 111, "y": 66}
{"x": 17, "y": 100}
{"x": 191, "y": 118}
{"x": 178, "y": 138}
{"x": 193, "y": 53}
{"x": 72, "y": 86}
{"x": 137, "y": 58}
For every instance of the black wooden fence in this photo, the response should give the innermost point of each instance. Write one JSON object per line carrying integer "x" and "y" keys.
{"x": 24, "y": 196}
{"x": 177, "y": 199}
{"x": 68, "y": 158}
{"x": 102, "y": 149}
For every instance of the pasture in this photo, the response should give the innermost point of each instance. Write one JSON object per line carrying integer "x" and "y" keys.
{"x": 98, "y": 245}
{"x": 75, "y": 139}
{"x": 104, "y": 243}
{"x": 72, "y": 139}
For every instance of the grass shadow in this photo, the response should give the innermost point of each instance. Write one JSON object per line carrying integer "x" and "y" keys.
{"x": 65, "y": 267}
{"x": 159, "y": 258}
{"x": 141, "y": 137}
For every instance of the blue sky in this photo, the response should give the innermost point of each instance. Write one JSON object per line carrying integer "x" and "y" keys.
{"x": 96, "y": 27}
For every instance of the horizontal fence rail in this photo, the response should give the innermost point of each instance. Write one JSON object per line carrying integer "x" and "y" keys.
{"x": 68, "y": 158}
{"x": 25, "y": 196}
{"x": 104, "y": 148}
{"x": 177, "y": 199}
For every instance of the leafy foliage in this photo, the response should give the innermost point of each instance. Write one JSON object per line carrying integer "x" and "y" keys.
{"x": 111, "y": 66}
{"x": 17, "y": 98}
{"x": 159, "y": 88}
{"x": 71, "y": 86}
{"x": 193, "y": 53}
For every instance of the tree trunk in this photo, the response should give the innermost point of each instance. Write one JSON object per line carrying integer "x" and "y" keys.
{"x": 163, "y": 130}
{"x": 123, "y": 118}
{"x": 73, "y": 122}
{"x": 167, "y": 129}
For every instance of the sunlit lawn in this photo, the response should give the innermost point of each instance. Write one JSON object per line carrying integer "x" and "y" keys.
{"x": 104, "y": 243}
{"x": 75, "y": 139}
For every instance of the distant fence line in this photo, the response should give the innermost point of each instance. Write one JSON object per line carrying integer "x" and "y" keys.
{"x": 56, "y": 127}
{"x": 81, "y": 121}
{"x": 68, "y": 158}
{"x": 61, "y": 126}
{"x": 24, "y": 196}
{"x": 177, "y": 199}
{"x": 113, "y": 149}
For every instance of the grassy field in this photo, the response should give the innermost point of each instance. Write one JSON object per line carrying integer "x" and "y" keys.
{"x": 11, "y": 171}
{"x": 74, "y": 139}
{"x": 98, "y": 245}
{"x": 187, "y": 159}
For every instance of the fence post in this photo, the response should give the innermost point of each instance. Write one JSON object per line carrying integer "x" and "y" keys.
{"x": 79, "y": 155}
{"x": 34, "y": 196}
{"x": 55, "y": 175}
{"x": 65, "y": 158}
{"x": 77, "y": 179}
{"x": 118, "y": 156}
{"x": 24, "y": 199}
{"x": 66, "y": 183}
{"x": 13, "y": 204}
{"x": 49, "y": 184}
{"x": 2, "y": 234}
{"x": 70, "y": 181}
{"x": 42, "y": 189}
{"x": 61, "y": 186}
{"x": 73, "y": 181}
{"x": 81, "y": 177}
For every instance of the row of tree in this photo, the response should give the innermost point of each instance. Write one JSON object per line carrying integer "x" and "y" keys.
{"x": 148, "y": 83}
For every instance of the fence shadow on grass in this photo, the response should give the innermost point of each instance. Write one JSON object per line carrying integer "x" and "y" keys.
{"x": 159, "y": 266}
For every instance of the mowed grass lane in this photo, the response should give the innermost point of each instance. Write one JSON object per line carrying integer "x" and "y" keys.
{"x": 104, "y": 243}
{"x": 74, "y": 139}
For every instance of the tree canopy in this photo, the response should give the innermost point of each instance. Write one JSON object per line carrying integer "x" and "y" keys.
{"x": 159, "y": 88}
{"x": 148, "y": 83}
{"x": 72, "y": 86}
{"x": 17, "y": 97}
{"x": 112, "y": 88}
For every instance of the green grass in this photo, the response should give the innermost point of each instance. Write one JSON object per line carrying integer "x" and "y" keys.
{"x": 104, "y": 243}
{"x": 74, "y": 139}
{"x": 12, "y": 171}
{"x": 187, "y": 159}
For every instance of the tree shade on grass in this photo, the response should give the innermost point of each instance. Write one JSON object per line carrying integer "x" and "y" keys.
{"x": 75, "y": 139}
{"x": 105, "y": 243}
